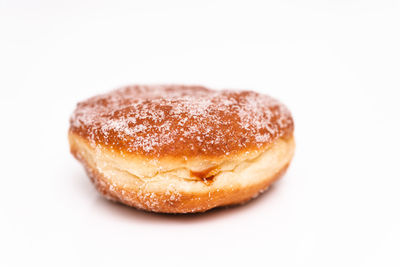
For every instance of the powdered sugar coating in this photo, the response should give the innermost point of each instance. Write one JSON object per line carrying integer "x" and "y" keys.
{"x": 189, "y": 121}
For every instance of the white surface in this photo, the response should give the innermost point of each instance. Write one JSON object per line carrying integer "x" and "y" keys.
{"x": 334, "y": 63}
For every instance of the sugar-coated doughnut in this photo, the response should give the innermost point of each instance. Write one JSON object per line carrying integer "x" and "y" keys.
{"x": 181, "y": 149}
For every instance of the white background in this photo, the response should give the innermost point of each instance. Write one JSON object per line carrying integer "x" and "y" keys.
{"x": 336, "y": 65}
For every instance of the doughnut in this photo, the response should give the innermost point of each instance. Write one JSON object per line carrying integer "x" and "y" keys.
{"x": 181, "y": 149}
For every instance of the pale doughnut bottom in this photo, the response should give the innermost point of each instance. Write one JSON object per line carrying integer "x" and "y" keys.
{"x": 167, "y": 185}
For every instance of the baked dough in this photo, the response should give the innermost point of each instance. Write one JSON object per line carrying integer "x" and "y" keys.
{"x": 181, "y": 149}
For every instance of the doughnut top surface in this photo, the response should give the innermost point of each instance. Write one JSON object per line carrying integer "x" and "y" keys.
{"x": 176, "y": 120}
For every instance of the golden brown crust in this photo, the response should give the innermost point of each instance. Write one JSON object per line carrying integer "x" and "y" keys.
{"x": 171, "y": 193}
{"x": 181, "y": 121}
{"x": 185, "y": 203}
